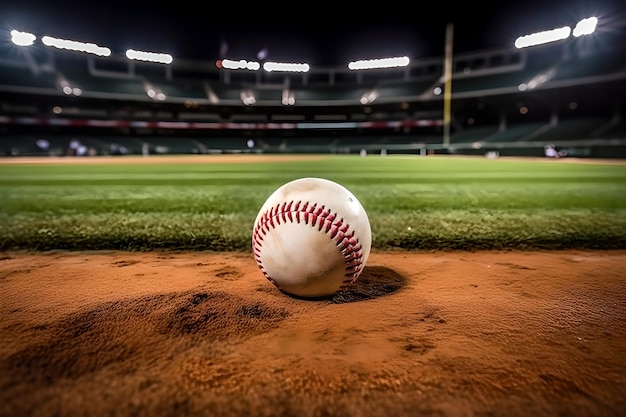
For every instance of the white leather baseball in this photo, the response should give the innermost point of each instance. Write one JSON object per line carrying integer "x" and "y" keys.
{"x": 311, "y": 238}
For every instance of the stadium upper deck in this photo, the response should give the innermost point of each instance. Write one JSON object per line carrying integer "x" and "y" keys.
{"x": 66, "y": 92}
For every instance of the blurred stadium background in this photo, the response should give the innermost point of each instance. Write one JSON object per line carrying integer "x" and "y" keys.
{"x": 566, "y": 95}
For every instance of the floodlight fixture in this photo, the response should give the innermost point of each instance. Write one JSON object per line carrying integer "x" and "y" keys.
{"x": 585, "y": 27}
{"x": 286, "y": 67}
{"x": 159, "y": 58}
{"x": 402, "y": 61}
{"x": 242, "y": 64}
{"x": 22, "y": 38}
{"x": 90, "y": 48}
{"x": 540, "y": 38}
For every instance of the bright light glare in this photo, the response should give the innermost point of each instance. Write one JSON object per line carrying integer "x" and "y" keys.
{"x": 402, "y": 61}
{"x": 288, "y": 98}
{"x": 68, "y": 89}
{"x": 241, "y": 64}
{"x": 22, "y": 38}
{"x": 155, "y": 94}
{"x": 90, "y": 48}
{"x": 247, "y": 97}
{"x": 540, "y": 38}
{"x": 586, "y": 26}
{"x": 369, "y": 97}
{"x": 149, "y": 56}
{"x": 285, "y": 67}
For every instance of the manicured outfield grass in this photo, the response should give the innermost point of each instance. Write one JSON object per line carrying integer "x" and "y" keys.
{"x": 416, "y": 203}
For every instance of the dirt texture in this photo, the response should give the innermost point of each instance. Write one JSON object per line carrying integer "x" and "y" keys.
{"x": 419, "y": 334}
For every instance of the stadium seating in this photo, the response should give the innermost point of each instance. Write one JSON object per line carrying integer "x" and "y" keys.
{"x": 568, "y": 130}
{"x": 201, "y": 110}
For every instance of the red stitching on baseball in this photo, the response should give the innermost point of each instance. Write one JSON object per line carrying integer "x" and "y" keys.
{"x": 322, "y": 218}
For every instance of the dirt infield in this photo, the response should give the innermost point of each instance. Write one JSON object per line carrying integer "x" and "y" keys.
{"x": 205, "y": 334}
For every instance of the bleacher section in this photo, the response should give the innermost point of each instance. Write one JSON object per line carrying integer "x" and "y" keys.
{"x": 184, "y": 89}
{"x": 20, "y": 146}
{"x": 205, "y": 113}
{"x": 516, "y": 132}
{"x": 589, "y": 65}
{"x": 18, "y": 77}
{"x": 474, "y": 134}
{"x": 575, "y": 129}
{"x": 614, "y": 131}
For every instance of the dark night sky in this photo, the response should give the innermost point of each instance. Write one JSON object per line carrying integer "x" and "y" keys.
{"x": 303, "y": 31}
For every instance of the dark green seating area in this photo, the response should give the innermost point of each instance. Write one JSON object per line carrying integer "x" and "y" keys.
{"x": 19, "y": 145}
{"x": 344, "y": 93}
{"x": 473, "y": 134}
{"x": 226, "y": 92}
{"x": 589, "y": 66}
{"x": 509, "y": 80}
{"x": 615, "y": 131}
{"x": 173, "y": 145}
{"x": 123, "y": 144}
{"x": 575, "y": 129}
{"x": 183, "y": 89}
{"x": 516, "y": 132}
{"x": 406, "y": 89}
{"x": 220, "y": 144}
{"x": 12, "y": 76}
{"x": 109, "y": 86}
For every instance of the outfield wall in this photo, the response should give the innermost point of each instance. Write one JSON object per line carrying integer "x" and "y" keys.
{"x": 94, "y": 146}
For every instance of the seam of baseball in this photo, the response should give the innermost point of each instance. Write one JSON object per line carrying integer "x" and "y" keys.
{"x": 316, "y": 216}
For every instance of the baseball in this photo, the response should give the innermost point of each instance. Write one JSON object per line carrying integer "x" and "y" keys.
{"x": 311, "y": 238}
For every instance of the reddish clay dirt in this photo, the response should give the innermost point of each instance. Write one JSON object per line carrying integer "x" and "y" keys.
{"x": 205, "y": 334}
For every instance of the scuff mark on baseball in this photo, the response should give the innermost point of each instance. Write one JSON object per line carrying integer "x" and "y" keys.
{"x": 311, "y": 238}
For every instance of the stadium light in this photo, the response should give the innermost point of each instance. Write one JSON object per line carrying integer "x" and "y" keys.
{"x": 242, "y": 64}
{"x": 583, "y": 27}
{"x": 402, "y": 61}
{"x": 285, "y": 67}
{"x": 540, "y": 38}
{"x": 22, "y": 38}
{"x": 157, "y": 57}
{"x": 90, "y": 48}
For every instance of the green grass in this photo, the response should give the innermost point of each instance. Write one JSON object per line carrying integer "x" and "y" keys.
{"x": 414, "y": 203}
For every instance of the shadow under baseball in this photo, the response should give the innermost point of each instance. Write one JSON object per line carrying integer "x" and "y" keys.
{"x": 374, "y": 282}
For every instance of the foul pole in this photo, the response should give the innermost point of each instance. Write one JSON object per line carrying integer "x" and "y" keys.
{"x": 447, "y": 89}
